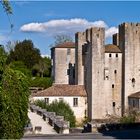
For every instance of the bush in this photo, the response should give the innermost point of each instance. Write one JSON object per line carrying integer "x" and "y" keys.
{"x": 41, "y": 104}
{"x": 127, "y": 119}
{"x": 14, "y": 93}
{"x": 44, "y": 82}
{"x": 61, "y": 108}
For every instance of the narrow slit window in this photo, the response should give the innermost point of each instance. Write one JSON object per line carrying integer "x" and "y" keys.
{"x": 115, "y": 71}
{"x": 110, "y": 55}
{"x": 113, "y": 104}
{"x": 116, "y": 55}
{"x": 112, "y": 85}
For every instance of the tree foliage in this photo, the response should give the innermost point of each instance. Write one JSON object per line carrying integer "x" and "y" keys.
{"x": 43, "y": 68}
{"x": 59, "y": 39}
{"x": 14, "y": 93}
{"x": 61, "y": 108}
{"x": 19, "y": 65}
{"x": 44, "y": 82}
{"x": 7, "y": 7}
{"x": 14, "y": 104}
{"x": 3, "y": 57}
{"x": 26, "y": 52}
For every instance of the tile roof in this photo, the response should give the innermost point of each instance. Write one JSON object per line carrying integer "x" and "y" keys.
{"x": 62, "y": 90}
{"x": 65, "y": 45}
{"x": 110, "y": 48}
{"x": 135, "y": 95}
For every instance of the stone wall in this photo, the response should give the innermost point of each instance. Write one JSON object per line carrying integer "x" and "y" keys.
{"x": 129, "y": 36}
{"x": 63, "y": 58}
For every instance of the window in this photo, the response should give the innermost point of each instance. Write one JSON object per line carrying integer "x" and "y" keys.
{"x": 110, "y": 55}
{"x": 112, "y": 85}
{"x": 106, "y": 78}
{"x": 133, "y": 82}
{"x": 75, "y": 102}
{"x": 113, "y": 104}
{"x": 133, "y": 103}
{"x": 73, "y": 73}
{"x": 115, "y": 71}
{"x": 68, "y": 51}
{"x": 47, "y": 100}
{"x": 106, "y": 74}
{"x": 68, "y": 71}
{"x": 116, "y": 55}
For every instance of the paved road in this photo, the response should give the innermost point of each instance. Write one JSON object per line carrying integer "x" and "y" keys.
{"x": 126, "y": 134}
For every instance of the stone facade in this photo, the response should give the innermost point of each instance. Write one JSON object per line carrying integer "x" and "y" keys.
{"x": 63, "y": 60}
{"x": 110, "y": 73}
{"x": 102, "y": 73}
{"x": 129, "y": 36}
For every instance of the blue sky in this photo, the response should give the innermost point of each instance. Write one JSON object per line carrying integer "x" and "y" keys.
{"x": 40, "y": 21}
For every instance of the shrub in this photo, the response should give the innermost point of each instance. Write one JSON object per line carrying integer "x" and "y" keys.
{"x": 44, "y": 82}
{"x": 41, "y": 104}
{"x": 61, "y": 108}
{"x": 14, "y": 93}
{"x": 127, "y": 119}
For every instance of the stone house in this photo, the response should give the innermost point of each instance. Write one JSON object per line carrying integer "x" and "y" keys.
{"x": 63, "y": 60}
{"x": 74, "y": 95}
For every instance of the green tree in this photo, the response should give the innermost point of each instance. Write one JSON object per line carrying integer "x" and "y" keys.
{"x": 26, "y": 52}
{"x": 3, "y": 57}
{"x": 43, "y": 67}
{"x": 19, "y": 65}
{"x": 14, "y": 95}
{"x": 7, "y": 7}
{"x": 14, "y": 104}
{"x": 59, "y": 39}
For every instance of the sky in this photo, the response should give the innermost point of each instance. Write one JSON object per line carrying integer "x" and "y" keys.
{"x": 40, "y": 21}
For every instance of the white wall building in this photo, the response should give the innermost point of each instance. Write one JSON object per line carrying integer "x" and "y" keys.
{"x": 74, "y": 95}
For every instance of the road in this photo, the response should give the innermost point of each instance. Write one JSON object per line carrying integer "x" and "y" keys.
{"x": 123, "y": 134}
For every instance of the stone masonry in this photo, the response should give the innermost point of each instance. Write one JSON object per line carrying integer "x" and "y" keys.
{"x": 110, "y": 73}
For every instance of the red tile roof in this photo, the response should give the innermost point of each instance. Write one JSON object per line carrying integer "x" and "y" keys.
{"x": 135, "y": 95}
{"x": 62, "y": 90}
{"x": 110, "y": 48}
{"x": 65, "y": 45}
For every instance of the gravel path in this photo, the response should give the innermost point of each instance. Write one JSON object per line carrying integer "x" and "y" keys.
{"x": 37, "y": 120}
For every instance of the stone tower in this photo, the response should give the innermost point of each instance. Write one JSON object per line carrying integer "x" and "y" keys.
{"x": 80, "y": 39}
{"x": 129, "y": 42}
{"x": 90, "y": 65}
{"x": 63, "y": 60}
{"x": 97, "y": 72}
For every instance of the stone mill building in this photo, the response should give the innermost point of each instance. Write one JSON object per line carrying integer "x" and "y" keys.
{"x": 110, "y": 73}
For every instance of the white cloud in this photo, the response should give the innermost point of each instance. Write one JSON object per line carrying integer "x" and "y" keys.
{"x": 66, "y": 26}
{"x": 110, "y": 31}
